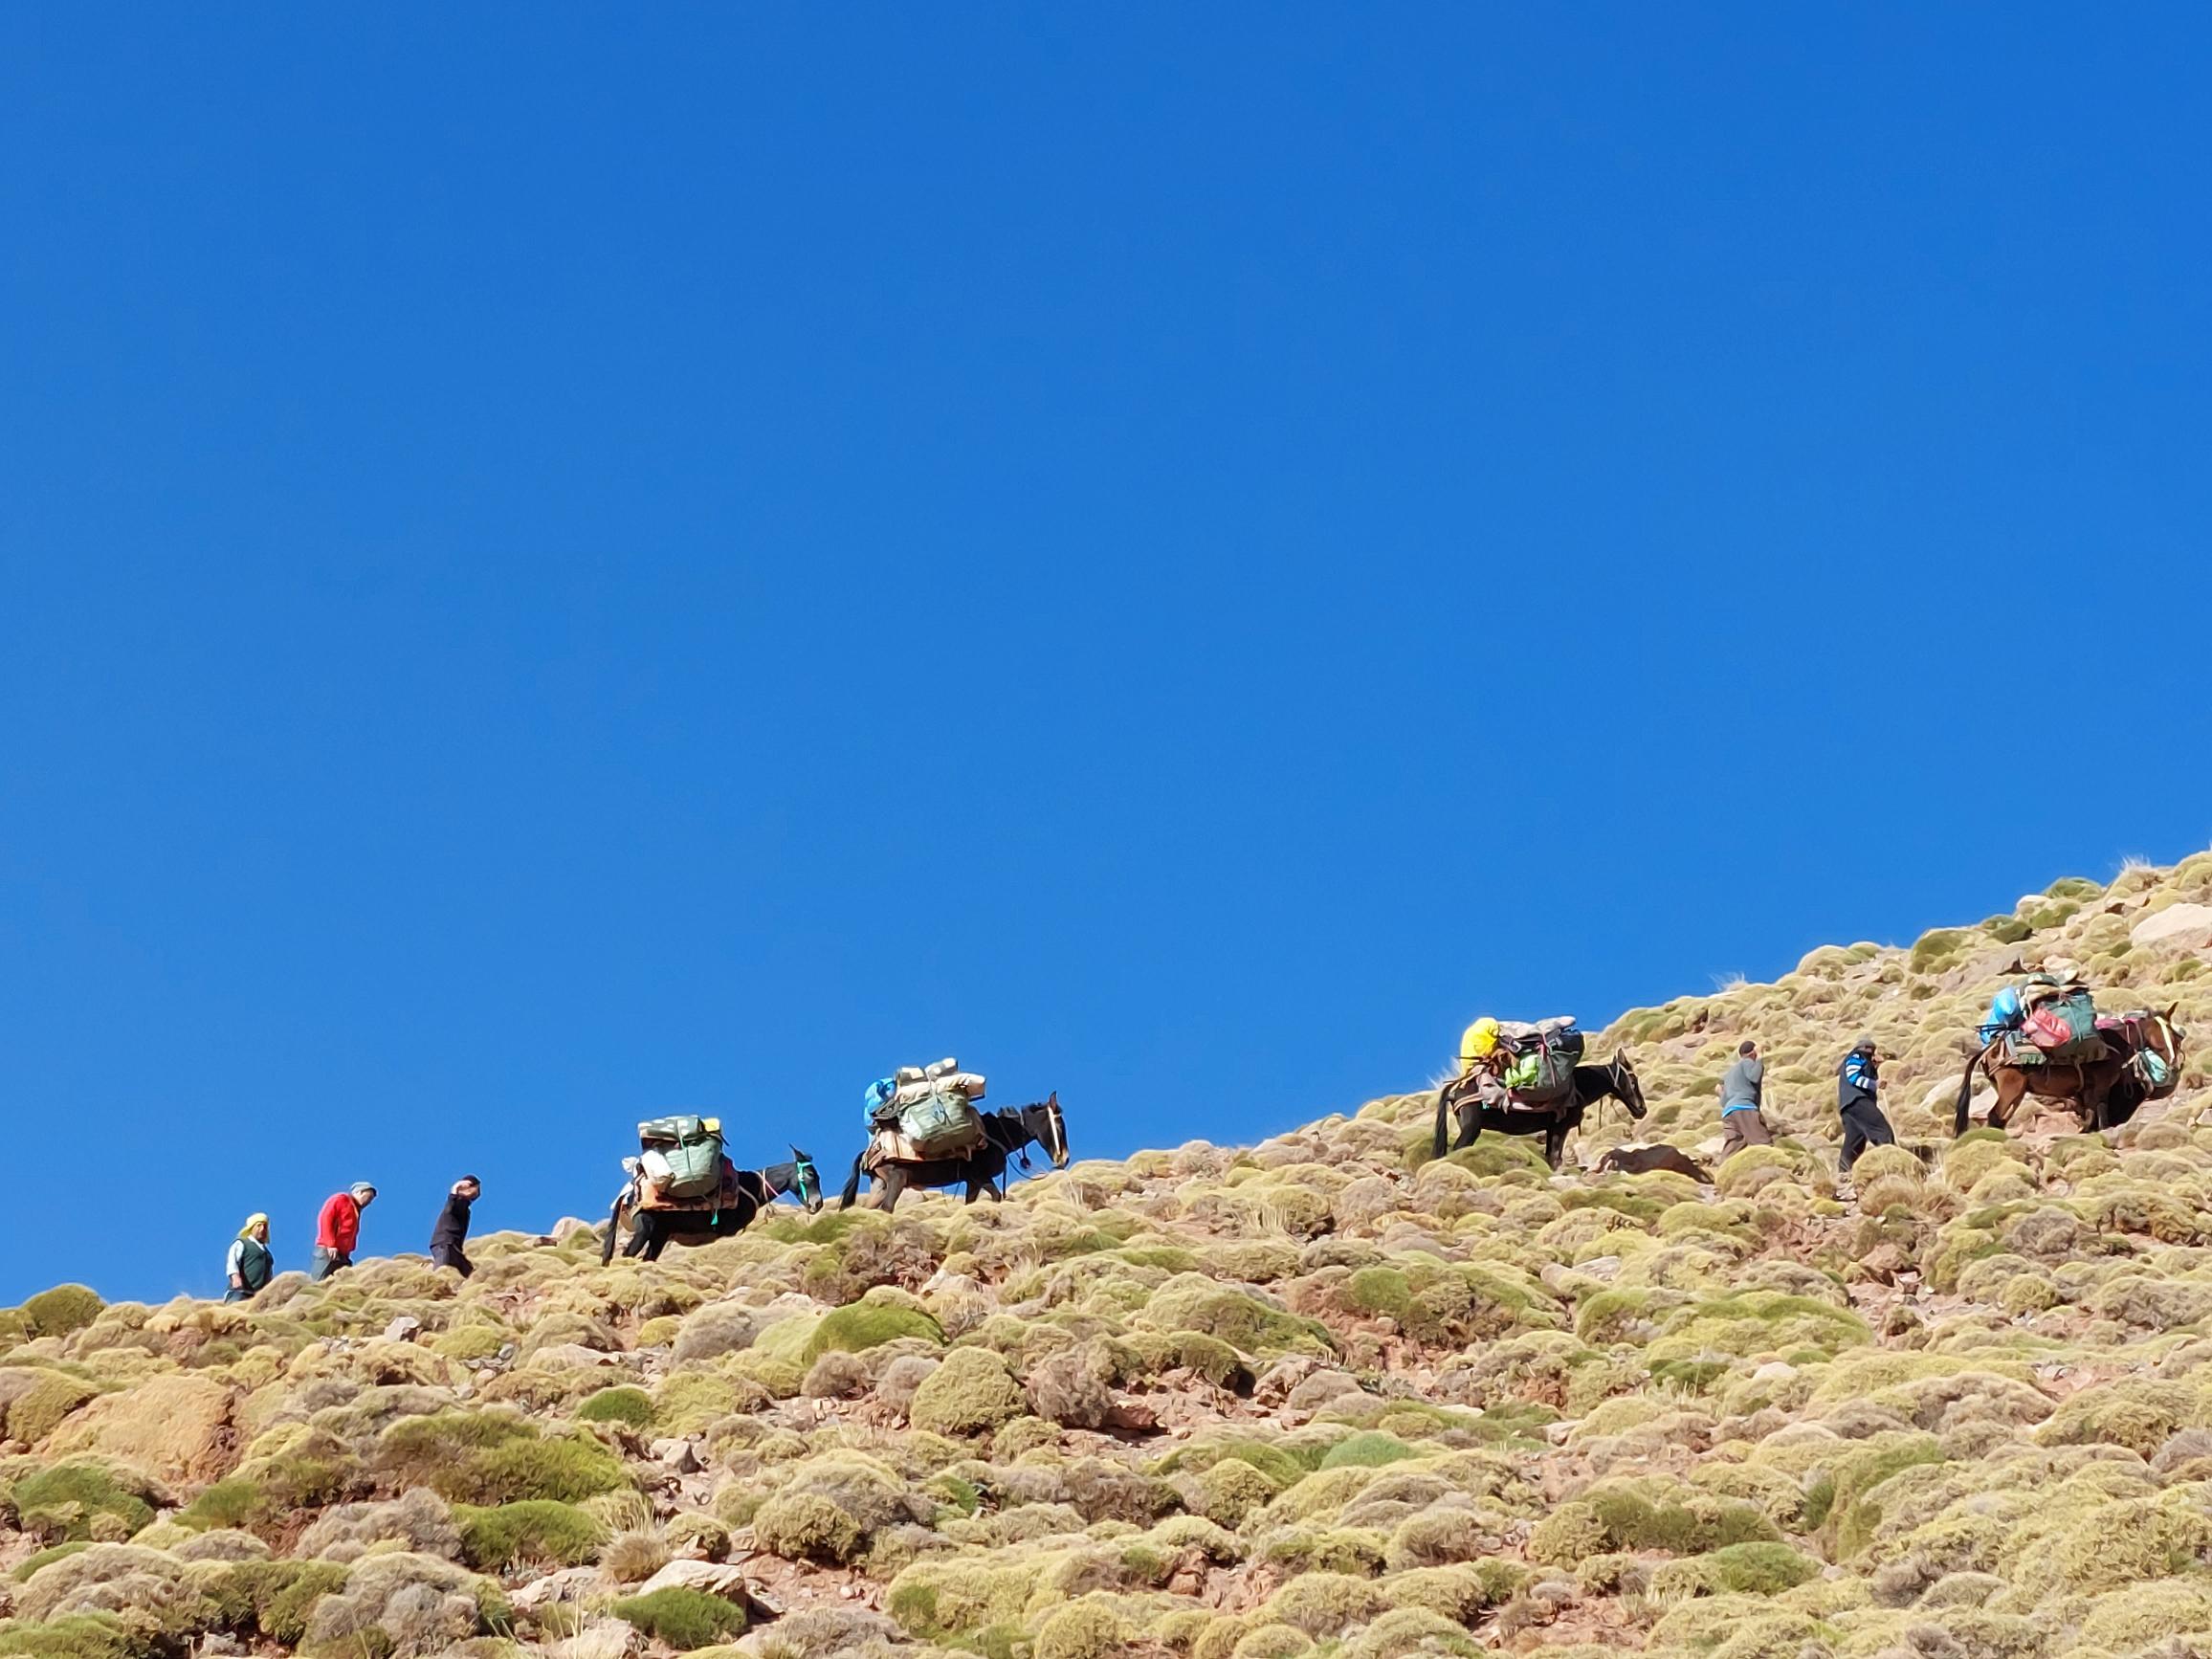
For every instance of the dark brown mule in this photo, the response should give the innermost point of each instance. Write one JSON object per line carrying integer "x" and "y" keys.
{"x": 2156, "y": 1049}
{"x": 753, "y": 1190}
{"x": 2104, "y": 1091}
{"x": 1459, "y": 1099}
{"x": 2085, "y": 1085}
{"x": 1006, "y": 1133}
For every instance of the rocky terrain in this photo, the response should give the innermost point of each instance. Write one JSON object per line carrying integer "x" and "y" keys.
{"x": 1323, "y": 1396}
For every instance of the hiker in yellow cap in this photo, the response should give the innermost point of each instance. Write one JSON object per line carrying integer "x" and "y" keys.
{"x": 250, "y": 1265}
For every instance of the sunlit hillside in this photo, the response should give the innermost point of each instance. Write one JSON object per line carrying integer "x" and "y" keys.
{"x": 1323, "y": 1395}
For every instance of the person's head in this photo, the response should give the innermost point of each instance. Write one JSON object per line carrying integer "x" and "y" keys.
{"x": 363, "y": 1194}
{"x": 1747, "y": 1048}
{"x": 1865, "y": 1045}
{"x": 468, "y": 1187}
{"x": 257, "y": 1228}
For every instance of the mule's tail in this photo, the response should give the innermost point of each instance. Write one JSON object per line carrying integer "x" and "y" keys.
{"x": 614, "y": 1227}
{"x": 1442, "y": 1094}
{"x": 852, "y": 1183}
{"x": 1965, "y": 1095}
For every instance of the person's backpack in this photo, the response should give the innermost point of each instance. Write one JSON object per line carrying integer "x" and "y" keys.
{"x": 682, "y": 1155}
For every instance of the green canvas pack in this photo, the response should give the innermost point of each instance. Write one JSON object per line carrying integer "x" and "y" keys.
{"x": 942, "y": 1126}
{"x": 694, "y": 1149}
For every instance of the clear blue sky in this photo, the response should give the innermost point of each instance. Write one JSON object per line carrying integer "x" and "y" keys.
{"x": 558, "y": 565}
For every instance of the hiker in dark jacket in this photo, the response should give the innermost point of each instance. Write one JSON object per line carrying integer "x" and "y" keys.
{"x": 1858, "y": 1081}
{"x": 451, "y": 1230}
{"x": 249, "y": 1266}
{"x": 1742, "y": 1096}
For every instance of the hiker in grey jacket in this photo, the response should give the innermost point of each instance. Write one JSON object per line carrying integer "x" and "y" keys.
{"x": 1742, "y": 1096}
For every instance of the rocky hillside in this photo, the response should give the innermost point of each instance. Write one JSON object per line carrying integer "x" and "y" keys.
{"x": 1320, "y": 1396}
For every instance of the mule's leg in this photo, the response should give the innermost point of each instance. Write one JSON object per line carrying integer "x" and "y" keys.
{"x": 641, "y": 1224}
{"x": 1469, "y": 1126}
{"x": 658, "y": 1241}
{"x": 1555, "y": 1144}
{"x": 2096, "y": 1103}
{"x": 2011, "y": 1091}
{"x": 887, "y": 1186}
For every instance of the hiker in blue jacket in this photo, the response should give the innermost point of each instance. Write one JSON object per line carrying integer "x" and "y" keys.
{"x": 1858, "y": 1083}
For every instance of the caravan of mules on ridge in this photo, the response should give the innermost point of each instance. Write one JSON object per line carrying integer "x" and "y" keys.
{"x": 924, "y": 1129}
{"x": 2042, "y": 1038}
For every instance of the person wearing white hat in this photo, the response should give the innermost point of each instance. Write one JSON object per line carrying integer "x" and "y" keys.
{"x": 249, "y": 1266}
{"x": 338, "y": 1228}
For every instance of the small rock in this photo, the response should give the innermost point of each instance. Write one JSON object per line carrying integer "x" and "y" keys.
{"x": 1274, "y": 1387}
{"x": 214, "y": 1641}
{"x": 569, "y": 1584}
{"x": 1601, "y": 1268}
{"x": 710, "y": 1578}
{"x": 1774, "y": 1371}
{"x": 827, "y": 1630}
{"x": 403, "y": 1329}
{"x": 559, "y": 1354}
{"x": 1319, "y": 1389}
{"x": 1132, "y": 1417}
{"x": 1886, "y": 1261}
{"x": 680, "y": 1455}
{"x": 601, "y": 1639}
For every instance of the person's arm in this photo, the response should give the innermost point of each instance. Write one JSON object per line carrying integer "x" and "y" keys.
{"x": 234, "y": 1263}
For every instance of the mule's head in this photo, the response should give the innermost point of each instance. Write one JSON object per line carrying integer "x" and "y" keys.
{"x": 1628, "y": 1084}
{"x": 1049, "y": 1125}
{"x": 805, "y": 1181}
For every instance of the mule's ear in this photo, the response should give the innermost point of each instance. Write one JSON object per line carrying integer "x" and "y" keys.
{"x": 1053, "y": 1098}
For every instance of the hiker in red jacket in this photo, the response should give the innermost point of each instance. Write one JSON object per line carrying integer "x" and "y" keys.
{"x": 338, "y": 1228}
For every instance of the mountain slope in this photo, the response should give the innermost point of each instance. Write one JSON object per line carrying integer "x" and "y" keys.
{"x": 1323, "y": 1395}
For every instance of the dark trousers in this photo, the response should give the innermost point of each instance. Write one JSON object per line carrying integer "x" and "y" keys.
{"x": 451, "y": 1256}
{"x": 1864, "y": 1126}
